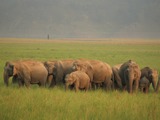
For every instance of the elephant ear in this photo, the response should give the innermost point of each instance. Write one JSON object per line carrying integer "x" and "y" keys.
{"x": 129, "y": 68}
{"x": 45, "y": 64}
{"x": 80, "y": 67}
{"x": 66, "y": 77}
{"x": 77, "y": 66}
{"x": 130, "y": 61}
{"x": 7, "y": 63}
{"x": 74, "y": 67}
{"x": 9, "y": 68}
{"x": 155, "y": 72}
{"x": 74, "y": 77}
{"x": 15, "y": 70}
{"x": 136, "y": 68}
{"x": 54, "y": 70}
{"x": 69, "y": 78}
{"x": 83, "y": 67}
{"x": 90, "y": 67}
{"x": 150, "y": 72}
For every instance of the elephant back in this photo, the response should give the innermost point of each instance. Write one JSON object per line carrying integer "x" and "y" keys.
{"x": 84, "y": 66}
{"x": 101, "y": 71}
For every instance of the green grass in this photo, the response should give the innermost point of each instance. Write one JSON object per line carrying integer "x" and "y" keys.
{"x": 43, "y": 103}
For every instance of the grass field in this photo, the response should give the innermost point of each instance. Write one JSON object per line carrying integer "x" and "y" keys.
{"x": 56, "y": 104}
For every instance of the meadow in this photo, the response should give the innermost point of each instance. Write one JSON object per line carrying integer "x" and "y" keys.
{"x": 56, "y": 104}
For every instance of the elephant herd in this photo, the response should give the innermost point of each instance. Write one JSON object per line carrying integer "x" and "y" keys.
{"x": 82, "y": 74}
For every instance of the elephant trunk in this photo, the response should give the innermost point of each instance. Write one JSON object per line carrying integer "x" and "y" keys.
{"x": 6, "y": 78}
{"x": 116, "y": 78}
{"x": 154, "y": 81}
{"x": 158, "y": 86}
{"x": 52, "y": 81}
{"x": 130, "y": 81}
{"x": 130, "y": 84}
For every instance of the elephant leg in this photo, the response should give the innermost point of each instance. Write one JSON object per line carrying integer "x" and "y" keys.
{"x": 119, "y": 83}
{"x": 136, "y": 84}
{"x": 71, "y": 87}
{"x": 124, "y": 88}
{"x": 90, "y": 86}
{"x": 93, "y": 85}
{"x": 97, "y": 85}
{"x": 76, "y": 85}
{"x": 20, "y": 83}
{"x": 111, "y": 86}
{"x": 42, "y": 84}
{"x": 142, "y": 89}
{"x": 27, "y": 79}
{"x": 53, "y": 82}
{"x": 129, "y": 86}
{"x": 87, "y": 87}
{"x": 147, "y": 89}
{"x": 76, "y": 89}
{"x": 27, "y": 83}
{"x": 107, "y": 85}
{"x": 14, "y": 79}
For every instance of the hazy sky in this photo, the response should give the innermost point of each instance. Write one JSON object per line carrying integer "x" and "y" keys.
{"x": 80, "y": 18}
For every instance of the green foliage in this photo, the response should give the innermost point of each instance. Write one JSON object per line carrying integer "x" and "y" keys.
{"x": 43, "y": 103}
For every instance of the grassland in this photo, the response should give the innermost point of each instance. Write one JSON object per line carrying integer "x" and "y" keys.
{"x": 56, "y": 104}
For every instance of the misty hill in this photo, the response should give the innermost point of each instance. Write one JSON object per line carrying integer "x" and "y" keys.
{"x": 80, "y": 18}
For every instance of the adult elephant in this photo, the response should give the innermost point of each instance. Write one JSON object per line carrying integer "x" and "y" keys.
{"x": 26, "y": 72}
{"x": 130, "y": 74}
{"x": 59, "y": 69}
{"x": 98, "y": 71}
{"x": 151, "y": 75}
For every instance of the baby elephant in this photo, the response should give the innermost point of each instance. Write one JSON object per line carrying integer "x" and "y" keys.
{"x": 144, "y": 85}
{"x": 79, "y": 79}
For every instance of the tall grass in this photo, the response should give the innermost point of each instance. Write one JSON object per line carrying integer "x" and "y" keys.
{"x": 44, "y": 103}
{"x": 57, "y": 104}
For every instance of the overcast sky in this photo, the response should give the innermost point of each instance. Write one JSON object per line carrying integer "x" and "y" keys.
{"x": 80, "y": 18}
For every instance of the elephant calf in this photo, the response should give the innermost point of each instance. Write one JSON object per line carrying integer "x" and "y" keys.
{"x": 79, "y": 79}
{"x": 144, "y": 85}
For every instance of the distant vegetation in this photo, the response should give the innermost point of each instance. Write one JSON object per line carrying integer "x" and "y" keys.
{"x": 44, "y": 103}
{"x": 84, "y": 19}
